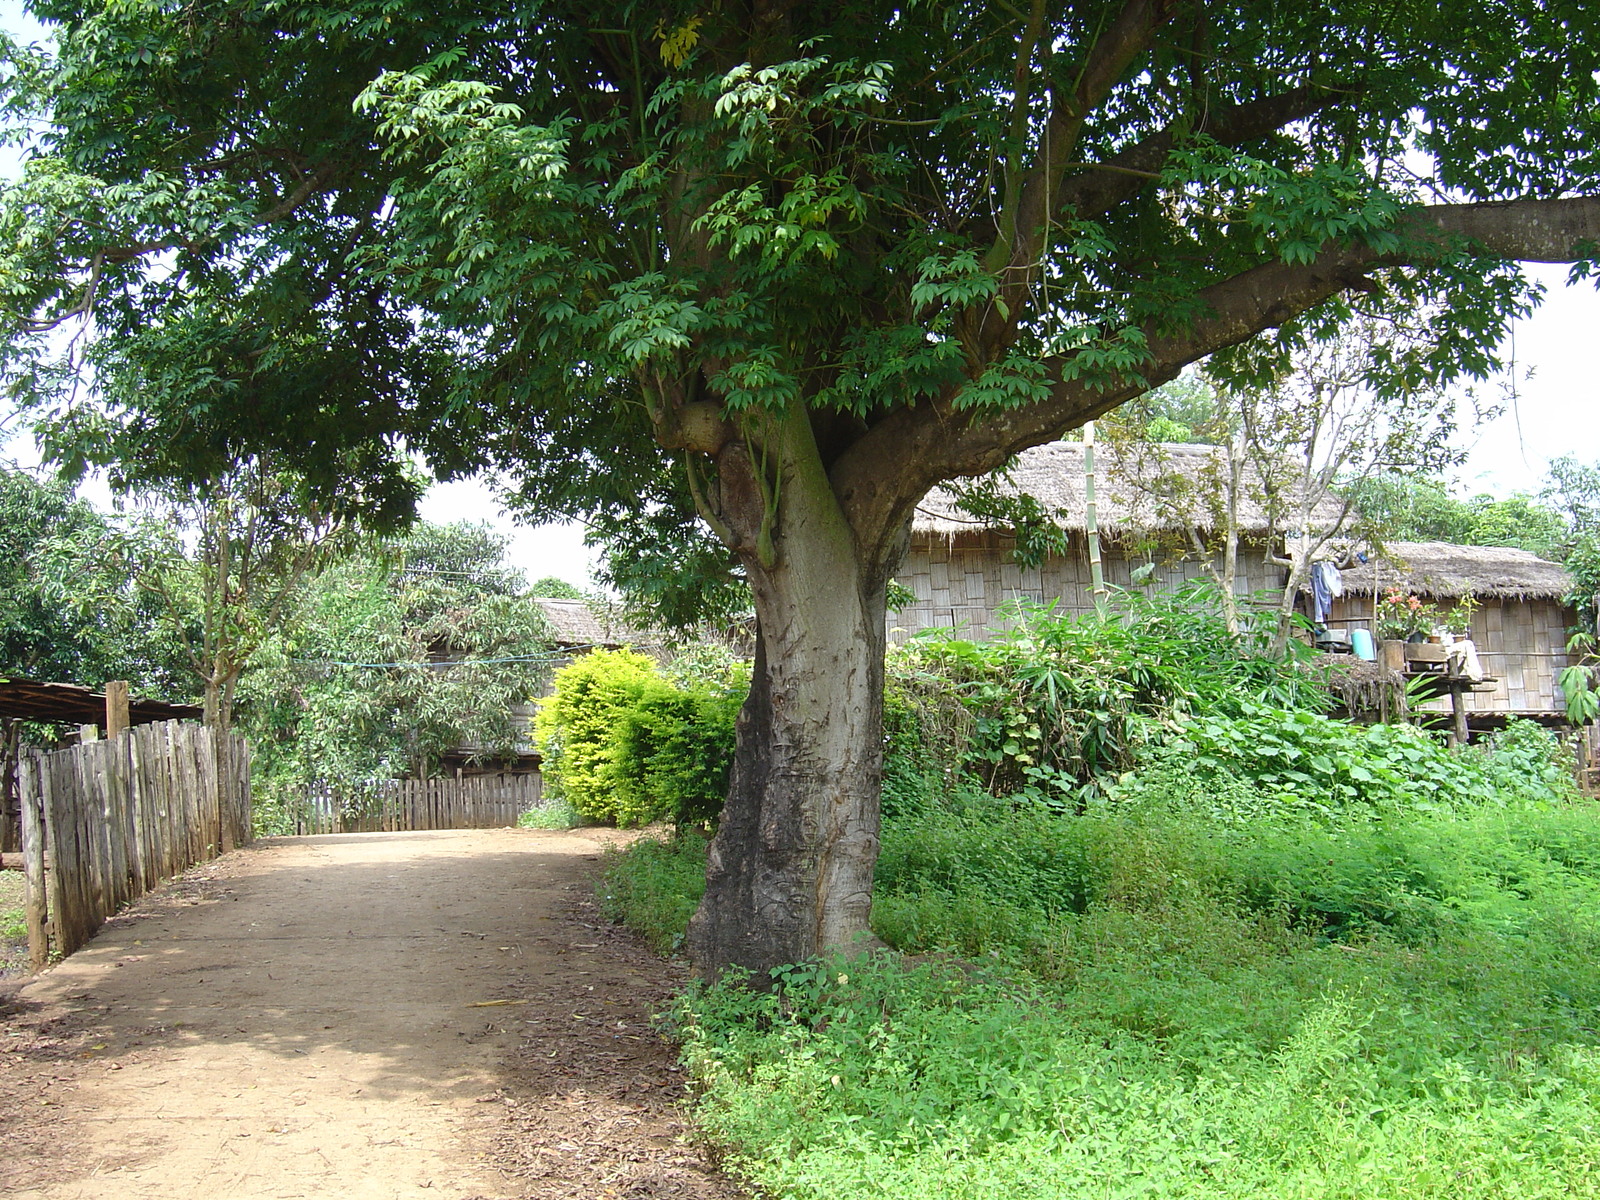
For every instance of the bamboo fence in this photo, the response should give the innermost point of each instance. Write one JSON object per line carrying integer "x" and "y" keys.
{"x": 401, "y": 805}
{"x": 112, "y": 819}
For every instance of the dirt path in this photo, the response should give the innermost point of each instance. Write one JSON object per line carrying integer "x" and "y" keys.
{"x": 321, "y": 1017}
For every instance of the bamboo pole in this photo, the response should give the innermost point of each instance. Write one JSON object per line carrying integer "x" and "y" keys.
{"x": 1091, "y": 524}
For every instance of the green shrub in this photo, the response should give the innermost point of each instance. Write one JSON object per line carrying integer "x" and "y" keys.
{"x": 555, "y": 813}
{"x": 671, "y": 755}
{"x": 576, "y": 726}
{"x": 1259, "y": 760}
{"x": 1059, "y": 706}
{"x": 623, "y": 745}
{"x": 654, "y": 887}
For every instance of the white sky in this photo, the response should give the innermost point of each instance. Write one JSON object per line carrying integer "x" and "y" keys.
{"x": 1555, "y": 411}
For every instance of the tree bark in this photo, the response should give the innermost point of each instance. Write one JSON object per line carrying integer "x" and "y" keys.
{"x": 790, "y": 870}
{"x": 218, "y": 696}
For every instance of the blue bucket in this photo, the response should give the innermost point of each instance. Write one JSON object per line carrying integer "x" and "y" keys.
{"x": 1361, "y": 645}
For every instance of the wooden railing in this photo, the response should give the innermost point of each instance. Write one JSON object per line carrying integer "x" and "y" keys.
{"x": 111, "y": 819}
{"x": 398, "y": 805}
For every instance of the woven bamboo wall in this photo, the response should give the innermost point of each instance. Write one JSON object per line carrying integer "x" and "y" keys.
{"x": 1521, "y": 643}
{"x": 960, "y": 583}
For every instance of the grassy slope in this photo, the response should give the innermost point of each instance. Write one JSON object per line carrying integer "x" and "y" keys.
{"x": 1169, "y": 1007}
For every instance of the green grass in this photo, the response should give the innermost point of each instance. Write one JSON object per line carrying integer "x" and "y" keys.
{"x": 555, "y": 814}
{"x": 13, "y": 923}
{"x": 654, "y": 886}
{"x": 1143, "y": 1004}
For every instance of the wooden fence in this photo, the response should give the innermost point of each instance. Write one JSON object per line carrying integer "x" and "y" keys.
{"x": 399, "y": 805}
{"x": 114, "y": 818}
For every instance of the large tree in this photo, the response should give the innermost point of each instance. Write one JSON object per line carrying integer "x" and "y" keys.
{"x": 802, "y": 261}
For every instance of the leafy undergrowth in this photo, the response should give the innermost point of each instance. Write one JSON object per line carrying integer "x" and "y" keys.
{"x": 1139, "y": 1003}
{"x": 558, "y": 813}
{"x": 653, "y": 887}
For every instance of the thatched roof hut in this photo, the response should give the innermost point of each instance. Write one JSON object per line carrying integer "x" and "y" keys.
{"x": 1138, "y": 489}
{"x": 588, "y": 624}
{"x": 1519, "y": 626}
{"x": 1442, "y": 571}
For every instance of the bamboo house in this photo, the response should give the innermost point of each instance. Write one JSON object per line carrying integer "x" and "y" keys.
{"x": 1520, "y": 625}
{"x": 1157, "y": 509}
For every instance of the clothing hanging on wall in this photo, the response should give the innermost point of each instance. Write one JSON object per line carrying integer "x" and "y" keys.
{"x": 1327, "y": 584}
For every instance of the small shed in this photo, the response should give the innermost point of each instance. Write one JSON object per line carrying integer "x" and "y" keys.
{"x": 61, "y": 704}
{"x": 69, "y": 704}
{"x": 1520, "y": 627}
{"x": 1151, "y": 503}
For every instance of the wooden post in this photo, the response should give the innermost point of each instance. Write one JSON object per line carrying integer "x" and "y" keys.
{"x": 116, "y": 707}
{"x": 225, "y": 777}
{"x": 31, "y": 793}
{"x": 1458, "y": 712}
{"x": 10, "y": 806}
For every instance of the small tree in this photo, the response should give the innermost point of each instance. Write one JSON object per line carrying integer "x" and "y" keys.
{"x": 255, "y": 537}
{"x": 393, "y": 656}
{"x": 1297, "y": 448}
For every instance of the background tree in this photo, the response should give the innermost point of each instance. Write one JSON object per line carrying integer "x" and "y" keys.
{"x": 1410, "y": 507}
{"x": 70, "y": 610}
{"x": 809, "y": 259}
{"x": 552, "y": 588}
{"x": 255, "y": 535}
{"x": 391, "y": 658}
{"x": 1355, "y": 403}
{"x": 1297, "y": 450}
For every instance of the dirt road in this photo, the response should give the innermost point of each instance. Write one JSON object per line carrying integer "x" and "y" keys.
{"x": 438, "y": 1015}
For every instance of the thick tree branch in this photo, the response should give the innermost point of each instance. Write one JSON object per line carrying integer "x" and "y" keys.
{"x": 888, "y": 471}
{"x": 1101, "y": 187}
{"x": 1030, "y": 202}
{"x": 1027, "y": 203}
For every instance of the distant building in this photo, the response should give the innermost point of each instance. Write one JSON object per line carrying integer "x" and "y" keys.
{"x": 1520, "y": 628}
{"x": 1148, "y": 508}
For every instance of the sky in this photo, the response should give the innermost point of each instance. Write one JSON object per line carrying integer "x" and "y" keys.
{"x": 1553, "y": 410}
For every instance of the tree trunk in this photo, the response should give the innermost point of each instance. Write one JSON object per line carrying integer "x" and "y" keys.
{"x": 790, "y": 871}
{"x": 218, "y": 701}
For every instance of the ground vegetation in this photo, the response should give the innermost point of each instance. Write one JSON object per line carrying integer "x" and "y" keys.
{"x": 791, "y": 263}
{"x": 1276, "y": 954}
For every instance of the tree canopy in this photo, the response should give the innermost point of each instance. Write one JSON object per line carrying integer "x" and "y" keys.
{"x": 781, "y": 266}
{"x": 70, "y": 611}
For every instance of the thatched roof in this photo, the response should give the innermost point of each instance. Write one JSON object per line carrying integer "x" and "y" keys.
{"x": 586, "y": 623}
{"x": 1139, "y": 489}
{"x": 1442, "y": 571}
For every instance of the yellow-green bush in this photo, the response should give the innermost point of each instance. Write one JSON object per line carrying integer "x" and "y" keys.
{"x": 623, "y": 745}
{"x": 577, "y": 724}
{"x": 671, "y": 752}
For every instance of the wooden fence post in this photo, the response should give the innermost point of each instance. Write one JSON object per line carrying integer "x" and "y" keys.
{"x": 225, "y": 788}
{"x": 116, "y": 708}
{"x": 33, "y": 837}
